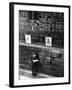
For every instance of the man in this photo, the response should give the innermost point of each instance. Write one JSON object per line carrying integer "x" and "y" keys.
{"x": 35, "y": 64}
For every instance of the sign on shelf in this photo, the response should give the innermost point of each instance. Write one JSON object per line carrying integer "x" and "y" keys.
{"x": 28, "y": 39}
{"x": 48, "y": 41}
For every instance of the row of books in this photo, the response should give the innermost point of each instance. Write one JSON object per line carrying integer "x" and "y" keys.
{"x": 41, "y": 27}
{"x": 48, "y": 66}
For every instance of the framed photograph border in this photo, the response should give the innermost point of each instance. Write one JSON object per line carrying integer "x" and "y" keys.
{"x": 11, "y": 42}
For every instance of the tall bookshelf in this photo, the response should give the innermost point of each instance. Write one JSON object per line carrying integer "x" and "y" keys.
{"x": 41, "y": 24}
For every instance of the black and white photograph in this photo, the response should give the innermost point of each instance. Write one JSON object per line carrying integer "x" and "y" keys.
{"x": 41, "y": 44}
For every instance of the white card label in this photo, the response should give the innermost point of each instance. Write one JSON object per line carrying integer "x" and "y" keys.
{"x": 48, "y": 41}
{"x": 28, "y": 38}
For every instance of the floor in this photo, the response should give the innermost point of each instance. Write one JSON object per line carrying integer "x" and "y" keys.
{"x": 27, "y": 74}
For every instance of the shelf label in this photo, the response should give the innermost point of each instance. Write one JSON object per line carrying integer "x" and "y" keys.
{"x": 28, "y": 39}
{"x": 48, "y": 41}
